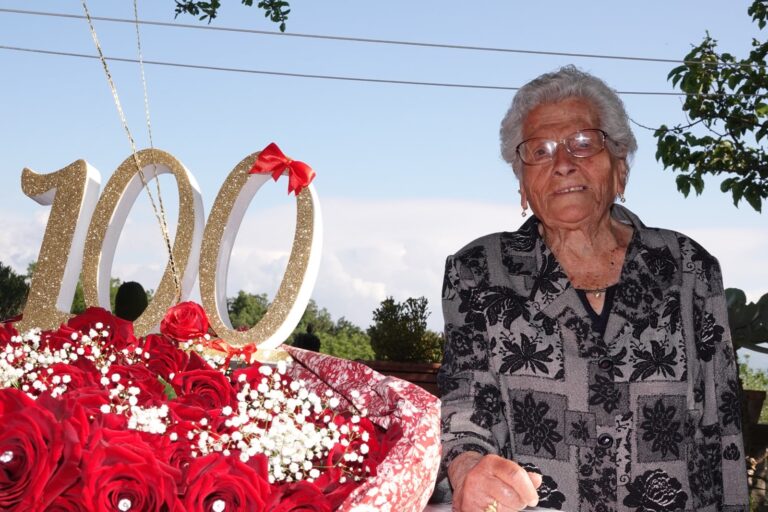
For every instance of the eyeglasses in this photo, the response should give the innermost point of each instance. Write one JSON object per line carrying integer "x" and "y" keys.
{"x": 581, "y": 144}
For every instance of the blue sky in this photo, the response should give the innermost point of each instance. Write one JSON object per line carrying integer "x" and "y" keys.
{"x": 406, "y": 174}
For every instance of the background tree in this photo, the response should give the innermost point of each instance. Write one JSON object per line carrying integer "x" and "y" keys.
{"x": 13, "y": 292}
{"x": 752, "y": 378}
{"x": 347, "y": 341}
{"x": 400, "y": 333}
{"x": 341, "y": 338}
{"x": 78, "y": 300}
{"x": 246, "y": 309}
{"x": 727, "y": 105}
{"x": 748, "y": 321}
{"x": 276, "y": 10}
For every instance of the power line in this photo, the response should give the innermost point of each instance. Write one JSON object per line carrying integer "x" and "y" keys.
{"x": 266, "y": 72}
{"x": 324, "y": 77}
{"x": 377, "y": 41}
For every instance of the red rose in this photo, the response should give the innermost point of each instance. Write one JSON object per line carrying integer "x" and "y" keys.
{"x": 224, "y": 479}
{"x": 185, "y": 321}
{"x": 253, "y": 375}
{"x": 209, "y": 389}
{"x": 91, "y": 399}
{"x": 120, "y": 332}
{"x": 151, "y": 390}
{"x": 70, "y": 501}
{"x": 7, "y": 331}
{"x": 39, "y": 454}
{"x": 298, "y": 497}
{"x": 166, "y": 359}
{"x": 197, "y": 363}
{"x": 121, "y": 470}
{"x": 56, "y": 339}
{"x": 330, "y": 485}
{"x": 186, "y": 418}
{"x": 74, "y": 376}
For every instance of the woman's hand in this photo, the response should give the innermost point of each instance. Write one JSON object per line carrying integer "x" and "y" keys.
{"x": 479, "y": 481}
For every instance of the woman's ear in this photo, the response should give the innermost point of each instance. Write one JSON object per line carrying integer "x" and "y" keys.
{"x": 621, "y": 175}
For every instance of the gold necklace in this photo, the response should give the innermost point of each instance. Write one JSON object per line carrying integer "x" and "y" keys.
{"x": 597, "y": 292}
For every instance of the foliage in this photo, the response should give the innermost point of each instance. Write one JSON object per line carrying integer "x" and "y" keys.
{"x": 752, "y": 378}
{"x": 399, "y": 332}
{"x": 78, "y": 300}
{"x": 246, "y": 309}
{"x": 748, "y": 321}
{"x": 347, "y": 341}
{"x": 728, "y": 98}
{"x": 341, "y": 339}
{"x": 276, "y": 10}
{"x": 13, "y": 292}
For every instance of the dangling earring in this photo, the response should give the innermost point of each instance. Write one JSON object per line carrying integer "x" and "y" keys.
{"x": 525, "y": 212}
{"x": 622, "y": 199}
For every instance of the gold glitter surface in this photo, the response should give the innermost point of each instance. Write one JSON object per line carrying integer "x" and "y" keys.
{"x": 40, "y": 309}
{"x": 166, "y": 293}
{"x": 289, "y": 287}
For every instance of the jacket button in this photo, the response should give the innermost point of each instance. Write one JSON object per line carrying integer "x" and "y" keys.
{"x": 605, "y": 440}
{"x": 605, "y": 363}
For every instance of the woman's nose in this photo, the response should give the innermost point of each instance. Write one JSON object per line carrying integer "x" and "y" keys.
{"x": 562, "y": 161}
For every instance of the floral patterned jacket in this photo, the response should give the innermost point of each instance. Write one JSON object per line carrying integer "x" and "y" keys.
{"x": 643, "y": 416}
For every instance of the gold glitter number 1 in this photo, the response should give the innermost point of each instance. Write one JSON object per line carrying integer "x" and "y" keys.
{"x": 72, "y": 192}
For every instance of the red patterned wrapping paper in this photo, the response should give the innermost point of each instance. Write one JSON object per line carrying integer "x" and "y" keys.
{"x": 405, "y": 479}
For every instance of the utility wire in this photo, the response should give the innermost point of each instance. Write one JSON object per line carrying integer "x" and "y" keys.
{"x": 306, "y": 75}
{"x": 379, "y": 41}
{"x": 333, "y": 77}
{"x": 273, "y": 73}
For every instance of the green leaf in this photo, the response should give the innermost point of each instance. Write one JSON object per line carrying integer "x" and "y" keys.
{"x": 677, "y": 71}
{"x": 698, "y": 184}
{"x": 726, "y": 185}
{"x": 170, "y": 393}
{"x": 683, "y": 184}
{"x": 753, "y": 198}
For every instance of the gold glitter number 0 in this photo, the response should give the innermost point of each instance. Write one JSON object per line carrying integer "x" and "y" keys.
{"x": 109, "y": 218}
{"x": 73, "y": 192}
{"x": 296, "y": 287}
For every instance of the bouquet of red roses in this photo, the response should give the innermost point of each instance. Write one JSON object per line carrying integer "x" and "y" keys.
{"x": 95, "y": 419}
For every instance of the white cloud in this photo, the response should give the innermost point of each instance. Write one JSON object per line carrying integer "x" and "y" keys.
{"x": 372, "y": 249}
{"x": 743, "y": 256}
{"x": 20, "y": 238}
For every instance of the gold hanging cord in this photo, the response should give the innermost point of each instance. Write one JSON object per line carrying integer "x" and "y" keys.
{"x": 158, "y": 211}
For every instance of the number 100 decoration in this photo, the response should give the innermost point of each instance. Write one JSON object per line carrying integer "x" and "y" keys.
{"x": 83, "y": 230}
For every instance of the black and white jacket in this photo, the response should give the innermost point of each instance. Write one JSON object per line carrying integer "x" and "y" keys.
{"x": 637, "y": 409}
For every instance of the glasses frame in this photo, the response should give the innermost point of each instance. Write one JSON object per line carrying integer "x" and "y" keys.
{"x": 563, "y": 143}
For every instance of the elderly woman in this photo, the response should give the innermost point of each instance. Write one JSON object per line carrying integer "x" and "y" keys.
{"x": 588, "y": 365}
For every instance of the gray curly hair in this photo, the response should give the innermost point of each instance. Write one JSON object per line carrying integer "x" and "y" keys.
{"x": 568, "y": 82}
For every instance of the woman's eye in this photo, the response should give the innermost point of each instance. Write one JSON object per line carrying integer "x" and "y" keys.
{"x": 583, "y": 142}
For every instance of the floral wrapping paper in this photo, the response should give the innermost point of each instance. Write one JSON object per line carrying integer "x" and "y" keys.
{"x": 405, "y": 478}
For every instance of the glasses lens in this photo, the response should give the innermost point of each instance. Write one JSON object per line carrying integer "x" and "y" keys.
{"x": 585, "y": 143}
{"x": 582, "y": 144}
{"x": 537, "y": 151}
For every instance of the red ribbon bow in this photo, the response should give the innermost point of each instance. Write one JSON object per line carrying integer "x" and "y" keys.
{"x": 246, "y": 352}
{"x": 272, "y": 161}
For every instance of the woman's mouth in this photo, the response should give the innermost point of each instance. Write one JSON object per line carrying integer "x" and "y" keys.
{"x": 577, "y": 188}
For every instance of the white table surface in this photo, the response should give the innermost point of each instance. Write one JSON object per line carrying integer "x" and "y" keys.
{"x": 446, "y": 507}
